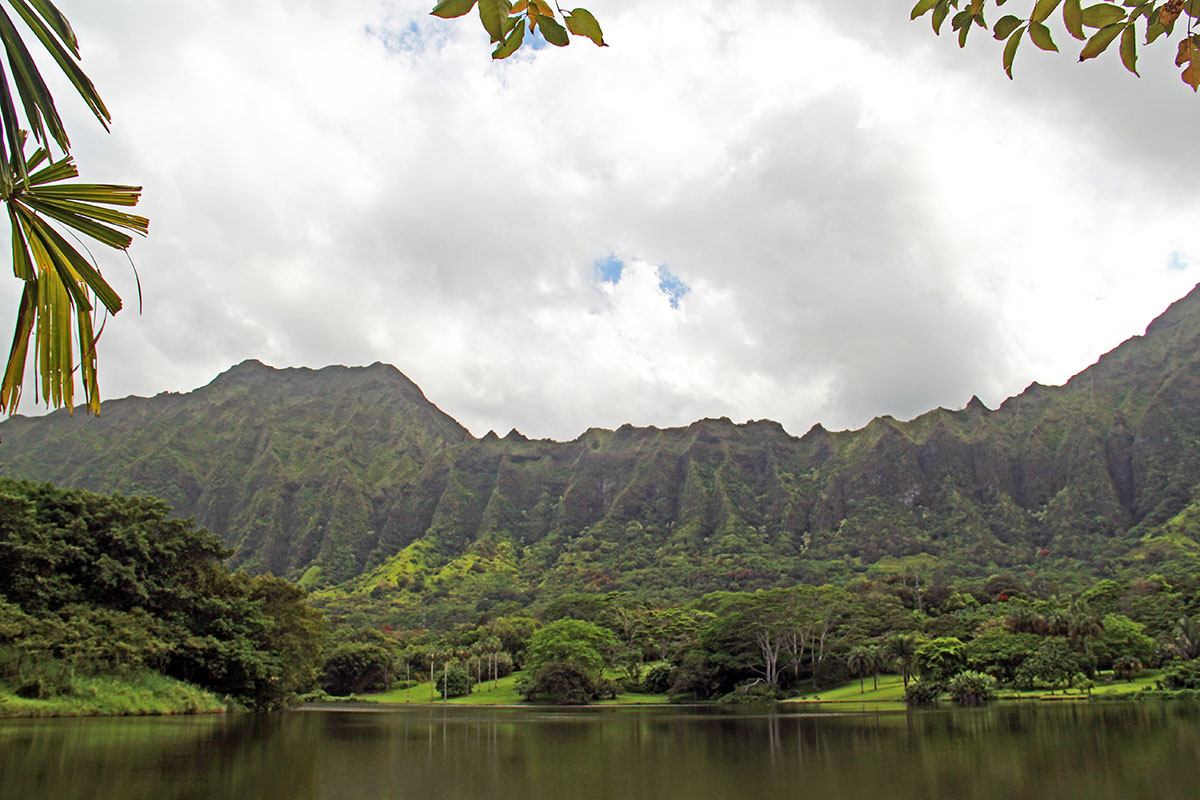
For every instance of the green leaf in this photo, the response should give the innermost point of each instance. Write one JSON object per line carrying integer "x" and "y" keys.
{"x": 1010, "y": 50}
{"x": 1040, "y": 35}
{"x": 939, "y": 15}
{"x": 492, "y": 14}
{"x": 554, "y": 33}
{"x": 449, "y": 9}
{"x": 1153, "y": 31}
{"x": 1073, "y": 18}
{"x": 511, "y": 44}
{"x": 582, "y": 23}
{"x": 1129, "y": 48}
{"x": 1005, "y": 26}
{"x": 963, "y": 27}
{"x": 1100, "y": 41}
{"x": 1102, "y": 15}
{"x": 1043, "y": 9}
{"x": 54, "y": 32}
{"x": 922, "y": 7}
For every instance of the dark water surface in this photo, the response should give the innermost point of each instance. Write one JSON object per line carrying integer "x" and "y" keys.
{"x": 1098, "y": 751}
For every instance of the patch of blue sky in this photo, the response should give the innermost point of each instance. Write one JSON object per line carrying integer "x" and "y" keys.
{"x": 407, "y": 39}
{"x": 608, "y": 270}
{"x": 535, "y": 39}
{"x": 672, "y": 285}
{"x": 1177, "y": 263}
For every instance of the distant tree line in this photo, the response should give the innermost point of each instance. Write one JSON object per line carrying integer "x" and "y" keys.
{"x": 965, "y": 640}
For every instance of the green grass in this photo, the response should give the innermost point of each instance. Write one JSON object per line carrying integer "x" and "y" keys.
{"x": 107, "y": 695}
{"x": 504, "y": 694}
{"x": 1118, "y": 688}
{"x": 484, "y": 695}
{"x": 891, "y": 690}
{"x": 888, "y": 695}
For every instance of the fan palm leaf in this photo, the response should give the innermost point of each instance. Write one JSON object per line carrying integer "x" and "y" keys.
{"x": 62, "y": 287}
{"x": 64, "y": 294}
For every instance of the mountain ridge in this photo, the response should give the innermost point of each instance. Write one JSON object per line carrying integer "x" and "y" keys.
{"x": 351, "y": 477}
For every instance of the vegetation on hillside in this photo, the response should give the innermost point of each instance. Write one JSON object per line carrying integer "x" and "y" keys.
{"x": 351, "y": 483}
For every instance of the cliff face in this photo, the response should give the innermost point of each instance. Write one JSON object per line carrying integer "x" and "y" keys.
{"x": 351, "y": 474}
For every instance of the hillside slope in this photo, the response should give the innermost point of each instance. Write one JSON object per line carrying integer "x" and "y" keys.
{"x": 351, "y": 477}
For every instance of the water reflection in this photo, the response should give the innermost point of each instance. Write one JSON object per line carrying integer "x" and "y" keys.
{"x": 1095, "y": 751}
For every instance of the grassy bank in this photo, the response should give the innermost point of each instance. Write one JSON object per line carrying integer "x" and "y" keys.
{"x": 887, "y": 692}
{"x": 503, "y": 693}
{"x": 137, "y": 694}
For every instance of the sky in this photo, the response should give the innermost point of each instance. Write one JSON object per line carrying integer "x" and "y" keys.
{"x": 800, "y": 210}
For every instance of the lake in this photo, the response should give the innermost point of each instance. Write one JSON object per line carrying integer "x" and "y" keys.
{"x": 1095, "y": 751}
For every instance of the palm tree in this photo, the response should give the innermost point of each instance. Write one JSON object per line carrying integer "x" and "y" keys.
{"x": 859, "y": 660}
{"x": 878, "y": 661}
{"x": 58, "y": 307}
{"x": 494, "y": 646}
{"x": 1185, "y": 637}
{"x": 1083, "y": 625}
{"x": 903, "y": 648}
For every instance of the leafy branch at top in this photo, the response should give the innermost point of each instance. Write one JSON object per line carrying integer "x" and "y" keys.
{"x": 1097, "y": 26}
{"x": 63, "y": 291}
{"x": 507, "y": 22}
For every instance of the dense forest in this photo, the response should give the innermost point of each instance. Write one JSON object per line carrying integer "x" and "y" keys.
{"x": 1003, "y": 631}
{"x": 94, "y": 585}
{"x": 111, "y": 585}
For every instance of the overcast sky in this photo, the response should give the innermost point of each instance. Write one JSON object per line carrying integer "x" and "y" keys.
{"x": 802, "y": 210}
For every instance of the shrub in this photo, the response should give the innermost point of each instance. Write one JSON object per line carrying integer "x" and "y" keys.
{"x": 454, "y": 682}
{"x": 972, "y": 688}
{"x": 561, "y": 683}
{"x": 658, "y": 679}
{"x": 1126, "y": 668}
{"x": 923, "y": 692}
{"x": 1182, "y": 676}
{"x": 756, "y": 692}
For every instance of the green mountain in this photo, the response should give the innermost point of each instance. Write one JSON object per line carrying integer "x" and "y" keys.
{"x": 350, "y": 478}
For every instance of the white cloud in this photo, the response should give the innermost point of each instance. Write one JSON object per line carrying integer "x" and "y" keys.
{"x": 868, "y": 220}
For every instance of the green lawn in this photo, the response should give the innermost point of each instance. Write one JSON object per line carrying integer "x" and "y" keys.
{"x": 889, "y": 694}
{"x": 891, "y": 690}
{"x": 1145, "y": 680}
{"x": 505, "y": 694}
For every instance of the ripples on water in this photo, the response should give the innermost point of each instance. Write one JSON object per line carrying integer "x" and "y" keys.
{"x": 1098, "y": 751}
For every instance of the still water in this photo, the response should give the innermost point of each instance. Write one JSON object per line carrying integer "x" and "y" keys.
{"x": 1094, "y": 751}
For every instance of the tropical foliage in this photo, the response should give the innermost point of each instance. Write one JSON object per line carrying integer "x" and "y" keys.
{"x": 65, "y": 296}
{"x": 93, "y": 584}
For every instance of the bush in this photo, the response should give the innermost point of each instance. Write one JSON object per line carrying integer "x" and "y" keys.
{"x": 1185, "y": 675}
{"x": 454, "y": 682}
{"x": 972, "y": 688}
{"x": 1126, "y": 668}
{"x": 658, "y": 679}
{"x": 923, "y": 692}
{"x": 561, "y": 683}
{"x": 757, "y": 692}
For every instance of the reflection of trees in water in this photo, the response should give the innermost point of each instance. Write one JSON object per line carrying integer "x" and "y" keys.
{"x": 1002, "y": 752}
{"x": 172, "y": 758}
